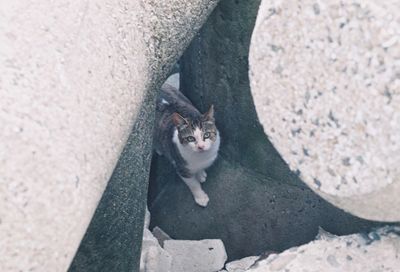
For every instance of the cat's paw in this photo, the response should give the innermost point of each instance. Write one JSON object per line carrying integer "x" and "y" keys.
{"x": 202, "y": 199}
{"x": 202, "y": 176}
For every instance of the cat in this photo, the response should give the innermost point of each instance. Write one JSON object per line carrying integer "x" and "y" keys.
{"x": 188, "y": 139}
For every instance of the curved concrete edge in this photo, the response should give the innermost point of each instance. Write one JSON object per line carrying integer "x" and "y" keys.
{"x": 374, "y": 251}
{"x": 280, "y": 72}
{"x": 73, "y": 75}
{"x": 377, "y": 209}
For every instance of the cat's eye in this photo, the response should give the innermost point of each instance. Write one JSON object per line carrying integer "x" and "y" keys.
{"x": 190, "y": 139}
{"x": 206, "y": 135}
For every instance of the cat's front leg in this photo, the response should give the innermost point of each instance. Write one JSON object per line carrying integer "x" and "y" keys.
{"x": 199, "y": 195}
{"x": 201, "y": 176}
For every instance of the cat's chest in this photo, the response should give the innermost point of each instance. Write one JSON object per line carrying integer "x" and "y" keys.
{"x": 196, "y": 161}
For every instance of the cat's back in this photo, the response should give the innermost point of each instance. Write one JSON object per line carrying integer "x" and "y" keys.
{"x": 172, "y": 94}
{"x": 171, "y": 100}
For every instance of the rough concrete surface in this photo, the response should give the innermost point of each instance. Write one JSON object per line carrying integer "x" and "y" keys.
{"x": 196, "y": 256}
{"x": 153, "y": 257}
{"x": 73, "y": 76}
{"x": 256, "y": 203}
{"x": 112, "y": 240}
{"x": 325, "y": 76}
{"x": 160, "y": 235}
{"x": 241, "y": 265}
{"x": 167, "y": 255}
{"x": 374, "y": 251}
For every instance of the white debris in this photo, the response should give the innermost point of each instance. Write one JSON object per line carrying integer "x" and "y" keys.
{"x": 179, "y": 255}
{"x": 160, "y": 235}
{"x": 241, "y": 265}
{"x": 165, "y": 102}
{"x": 154, "y": 258}
{"x": 196, "y": 256}
{"x": 147, "y": 218}
{"x": 375, "y": 251}
{"x": 324, "y": 235}
{"x": 173, "y": 80}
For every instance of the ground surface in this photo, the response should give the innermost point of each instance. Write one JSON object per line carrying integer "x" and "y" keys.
{"x": 256, "y": 202}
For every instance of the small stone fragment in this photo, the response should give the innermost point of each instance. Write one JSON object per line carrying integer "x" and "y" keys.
{"x": 160, "y": 235}
{"x": 196, "y": 256}
{"x": 339, "y": 253}
{"x": 241, "y": 265}
{"x": 324, "y": 235}
{"x": 153, "y": 257}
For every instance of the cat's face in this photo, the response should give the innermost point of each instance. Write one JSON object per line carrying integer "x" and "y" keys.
{"x": 198, "y": 134}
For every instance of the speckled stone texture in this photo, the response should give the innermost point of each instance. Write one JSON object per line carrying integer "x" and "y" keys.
{"x": 374, "y": 251}
{"x": 196, "y": 256}
{"x": 256, "y": 203}
{"x": 73, "y": 78}
{"x": 325, "y": 77}
{"x": 153, "y": 256}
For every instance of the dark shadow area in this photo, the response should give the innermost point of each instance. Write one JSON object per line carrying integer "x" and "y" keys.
{"x": 113, "y": 239}
{"x": 256, "y": 202}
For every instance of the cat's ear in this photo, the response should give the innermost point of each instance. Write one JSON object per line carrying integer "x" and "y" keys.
{"x": 209, "y": 115}
{"x": 178, "y": 120}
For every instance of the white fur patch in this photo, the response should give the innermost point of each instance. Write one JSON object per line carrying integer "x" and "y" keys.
{"x": 173, "y": 80}
{"x": 197, "y": 160}
{"x": 200, "y": 143}
{"x": 165, "y": 102}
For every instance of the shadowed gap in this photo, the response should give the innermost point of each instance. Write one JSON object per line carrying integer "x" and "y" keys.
{"x": 256, "y": 203}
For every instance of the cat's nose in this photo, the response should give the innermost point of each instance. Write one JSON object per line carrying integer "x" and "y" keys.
{"x": 200, "y": 147}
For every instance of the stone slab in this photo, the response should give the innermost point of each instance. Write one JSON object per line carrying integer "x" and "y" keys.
{"x": 325, "y": 81}
{"x": 374, "y": 251}
{"x": 241, "y": 265}
{"x": 74, "y": 75}
{"x": 196, "y": 256}
{"x": 153, "y": 256}
{"x": 161, "y": 235}
{"x": 256, "y": 203}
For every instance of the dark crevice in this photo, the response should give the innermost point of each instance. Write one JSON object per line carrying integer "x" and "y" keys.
{"x": 113, "y": 239}
{"x": 256, "y": 203}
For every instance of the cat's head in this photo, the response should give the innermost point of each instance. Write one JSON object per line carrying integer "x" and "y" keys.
{"x": 198, "y": 133}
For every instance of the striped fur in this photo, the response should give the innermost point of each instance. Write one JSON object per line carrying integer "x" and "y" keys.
{"x": 190, "y": 140}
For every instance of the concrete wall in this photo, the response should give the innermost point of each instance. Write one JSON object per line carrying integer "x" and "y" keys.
{"x": 256, "y": 202}
{"x": 373, "y": 251}
{"x": 73, "y": 77}
{"x": 325, "y": 81}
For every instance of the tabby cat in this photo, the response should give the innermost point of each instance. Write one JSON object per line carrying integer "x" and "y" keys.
{"x": 190, "y": 140}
